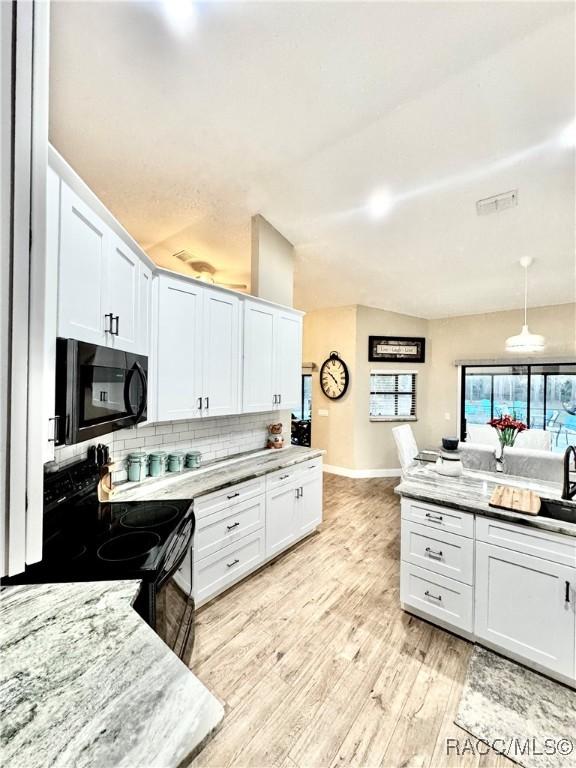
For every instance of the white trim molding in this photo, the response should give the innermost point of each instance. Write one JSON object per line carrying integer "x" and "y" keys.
{"x": 360, "y": 474}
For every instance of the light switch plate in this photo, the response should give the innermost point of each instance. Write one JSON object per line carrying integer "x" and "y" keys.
{"x": 322, "y": 412}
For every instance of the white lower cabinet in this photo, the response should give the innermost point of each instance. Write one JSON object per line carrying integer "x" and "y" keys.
{"x": 525, "y": 605}
{"x": 281, "y": 518}
{"x": 445, "y": 599}
{"x": 310, "y": 501}
{"x": 511, "y": 587}
{"x": 241, "y": 527}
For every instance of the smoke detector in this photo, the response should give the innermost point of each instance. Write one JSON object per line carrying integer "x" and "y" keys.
{"x": 497, "y": 203}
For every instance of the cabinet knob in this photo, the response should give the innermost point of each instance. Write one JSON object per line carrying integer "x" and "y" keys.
{"x": 234, "y": 525}
{"x": 434, "y": 597}
{"x": 233, "y": 495}
{"x": 567, "y": 593}
{"x": 229, "y": 565}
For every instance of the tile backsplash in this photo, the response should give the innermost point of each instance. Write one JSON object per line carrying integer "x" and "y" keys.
{"x": 215, "y": 438}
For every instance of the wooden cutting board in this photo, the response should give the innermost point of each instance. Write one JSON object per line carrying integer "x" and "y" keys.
{"x": 516, "y": 499}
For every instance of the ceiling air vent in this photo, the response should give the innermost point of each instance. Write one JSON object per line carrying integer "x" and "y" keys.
{"x": 497, "y": 203}
{"x": 184, "y": 256}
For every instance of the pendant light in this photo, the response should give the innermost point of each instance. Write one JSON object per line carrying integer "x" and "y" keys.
{"x": 525, "y": 342}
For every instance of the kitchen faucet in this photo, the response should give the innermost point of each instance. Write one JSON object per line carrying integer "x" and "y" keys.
{"x": 569, "y": 489}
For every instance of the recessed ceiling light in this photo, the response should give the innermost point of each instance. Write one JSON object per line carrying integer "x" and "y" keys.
{"x": 380, "y": 204}
{"x": 568, "y": 135}
{"x": 181, "y": 15}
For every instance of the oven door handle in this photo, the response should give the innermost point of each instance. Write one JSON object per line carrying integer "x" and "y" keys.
{"x": 136, "y": 368}
{"x": 180, "y": 553}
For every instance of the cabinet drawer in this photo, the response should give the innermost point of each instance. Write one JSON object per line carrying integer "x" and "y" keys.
{"x": 310, "y": 465}
{"x": 215, "y": 572}
{"x": 440, "y": 597}
{"x": 436, "y": 516}
{"x": 438, "y": 551}
{"x": 233, "y": 494}
{"x": 531, "y": 541}
{"x": 228, "y": 525}
{"x": 282, "y": 477}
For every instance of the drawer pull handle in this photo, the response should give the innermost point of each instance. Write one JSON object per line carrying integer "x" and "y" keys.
{"x": 567, "y": 593}
{"x": 234, "y": 525}
{"x": 284, "y": 477}
{"x": 434, "y": 597}
{"x": 233, "y": 495}
{"x": 436, "y": 518}
{"x": 229, "y": 565}
{"x": 433, "y": 553}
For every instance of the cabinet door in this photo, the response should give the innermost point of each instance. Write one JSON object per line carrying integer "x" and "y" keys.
{"x": 281, "y": 519}
{"x": 288, "y": 358}
{"x": 222, "y": 353}
{"x": 144, "y": 325}
{"x": 121, "y": 295}
{"x": 310, "y": 501}
{"x": 82, "y": 270}
{"x": 259, "y": 380}
{"x": 179, "y": 350}
{"x": 51, "y": 312}
{"x": 525, "y": 605}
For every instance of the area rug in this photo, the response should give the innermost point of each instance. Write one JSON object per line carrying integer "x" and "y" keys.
{"x": 525, "y": 716}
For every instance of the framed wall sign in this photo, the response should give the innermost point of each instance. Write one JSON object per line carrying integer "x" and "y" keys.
{"x": 398, "y": 349}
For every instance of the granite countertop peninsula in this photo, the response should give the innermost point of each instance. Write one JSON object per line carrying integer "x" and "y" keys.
{"x": 84, "y": 681}
{"x": 471, "y": 492}
{"x": 191, "y": 483}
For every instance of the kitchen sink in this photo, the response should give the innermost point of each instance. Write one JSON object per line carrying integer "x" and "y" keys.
{"x": 558, "y": 510}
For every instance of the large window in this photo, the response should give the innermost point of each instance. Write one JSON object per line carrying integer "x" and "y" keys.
{"x": 392, "y": 396}
{"x": 543, "y": 396}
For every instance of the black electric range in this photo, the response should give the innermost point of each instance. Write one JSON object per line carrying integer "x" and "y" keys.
{"x": 88, "y": 540}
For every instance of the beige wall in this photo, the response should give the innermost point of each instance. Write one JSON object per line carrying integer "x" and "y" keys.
{"x": 484, "y": 336}
{"x": 328, "y": 330}
{"x": 355, "y": 443}
{"x": 374, "y": 443}
{"x": 272, "y": 275}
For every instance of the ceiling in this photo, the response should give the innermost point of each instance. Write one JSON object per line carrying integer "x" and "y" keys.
{"x": 301, "y": 111}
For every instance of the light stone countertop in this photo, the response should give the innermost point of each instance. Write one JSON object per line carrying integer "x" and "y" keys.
{"x": 471, "y": 492}
{"x": 191, "y": 483}
{"x": 85, "y": 682}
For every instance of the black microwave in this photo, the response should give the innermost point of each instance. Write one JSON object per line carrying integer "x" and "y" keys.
{"x": 98, "y": 390}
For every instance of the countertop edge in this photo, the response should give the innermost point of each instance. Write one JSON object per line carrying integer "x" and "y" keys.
{"x": 478, "y": 508}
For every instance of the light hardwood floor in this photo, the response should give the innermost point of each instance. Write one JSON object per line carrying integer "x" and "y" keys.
{"x": 317, "y": 663}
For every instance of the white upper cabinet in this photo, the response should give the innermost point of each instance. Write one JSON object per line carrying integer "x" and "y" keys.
{"x": 144, "y": 326}
{"x": 259, "y": 385}
{"x": 121, "y": 296}
{"x": 288, "y": 352}
{"x": 222, "y": 358}
{"x": 272, "y": 357}
{"x": 104, "y": 286}
{"x": 199, "y": 351}
{"x": 179, "y": 349}
{"x": 84, "y": 243}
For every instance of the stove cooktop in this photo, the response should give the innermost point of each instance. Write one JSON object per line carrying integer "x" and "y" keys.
{"x": 92, "y": 541}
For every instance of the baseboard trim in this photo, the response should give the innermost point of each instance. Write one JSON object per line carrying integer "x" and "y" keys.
{"x": 359, "y": 474}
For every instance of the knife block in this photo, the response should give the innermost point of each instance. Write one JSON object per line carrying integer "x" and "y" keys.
{"x": 105, "y": 486}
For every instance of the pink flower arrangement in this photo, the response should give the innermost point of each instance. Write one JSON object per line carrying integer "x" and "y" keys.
{"x": 508, "y": 428}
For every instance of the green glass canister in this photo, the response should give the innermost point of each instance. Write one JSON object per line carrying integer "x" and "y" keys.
{"x": 175, "y": 461}
{"x": 157, "y": 463}
{"x": 193, "y": 460}
{"x": 137, "y": 466}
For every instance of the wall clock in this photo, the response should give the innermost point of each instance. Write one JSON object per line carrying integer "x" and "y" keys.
{"x": 334, "y": 377}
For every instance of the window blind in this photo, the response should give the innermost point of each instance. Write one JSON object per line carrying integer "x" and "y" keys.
{"x": 392, "y": 396}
